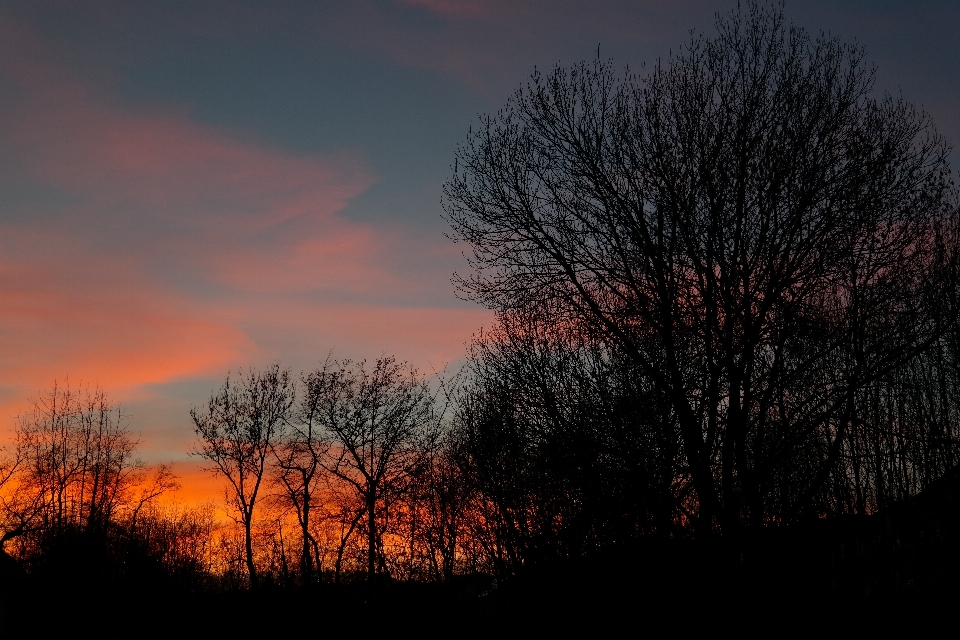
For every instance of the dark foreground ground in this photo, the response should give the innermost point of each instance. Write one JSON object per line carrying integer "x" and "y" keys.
{"x": 894, "y": 574}
{"x": 830, "y": 584}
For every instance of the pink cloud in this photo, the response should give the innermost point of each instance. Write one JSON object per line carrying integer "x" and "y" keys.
{"x": 85, "y": 287}
{"x": 485, "y": 43}
{"x": 186, "y": 251}
{"x": 342, "y": 259}
{"x": 83, "y": 314}
{"x": 184, "y": 172}
{"x": 233, "y": 213}
{"x": 466, "y": 9}
{"x": 158, "y": 158}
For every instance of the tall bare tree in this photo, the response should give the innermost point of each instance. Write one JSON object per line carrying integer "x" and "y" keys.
{"x": 236, "y": 434}
{"x": 760, "y": 233}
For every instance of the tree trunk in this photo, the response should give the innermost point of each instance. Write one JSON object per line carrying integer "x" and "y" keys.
{"x": 371, "y": 537}
{"x": 251, "y": 568}
{"x": 306, "y": 562}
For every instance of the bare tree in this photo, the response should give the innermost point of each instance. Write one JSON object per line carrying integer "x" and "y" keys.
{"x": 237, "y": 432}
{"x": 298, "y": 452}
{"x": 443, "y": 495}
{"x": 565, "y": 442}
{"x": 74, "y": 464}
{"x": 73, "y": 479}
{"x": 381, "y": 425}
{"x": 762, "y": 237}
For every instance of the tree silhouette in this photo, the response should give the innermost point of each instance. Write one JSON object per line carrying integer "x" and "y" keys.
{"x": 74, "y": 466}
{"x": 562, "y": 438}
{"x": 381, "y": 427}
{"x": 237, "y": 432}
{"x": 298, "y": 471}
{"x": 762, "y": 237}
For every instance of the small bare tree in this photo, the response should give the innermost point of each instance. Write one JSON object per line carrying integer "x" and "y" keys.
{"x": 444, "y": 494}
{"x": 381, "y": 425}
{"x": 73, "y": 466}
{"x": 297, "y": 455}
{"x": 237, "y": 432}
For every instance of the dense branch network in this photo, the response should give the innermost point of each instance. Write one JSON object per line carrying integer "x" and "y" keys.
{"x": 758, "y": 233}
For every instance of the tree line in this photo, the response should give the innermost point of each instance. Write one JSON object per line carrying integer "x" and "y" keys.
{"x": 346, "y": 452}
{"x": 548, "y": 446}
{"x": 727, "y": 303}
{"x": 77, "y": 500}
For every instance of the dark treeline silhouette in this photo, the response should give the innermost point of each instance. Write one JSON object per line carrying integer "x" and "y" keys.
{"x": 348, "y": 453}
{"x": 771, "y": 248}
{"x": 80, "y": 522}
{"x": 727, "y": 298}
{"x": 721, "y": 389}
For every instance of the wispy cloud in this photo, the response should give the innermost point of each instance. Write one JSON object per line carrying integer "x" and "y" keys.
{"x": 482, "y": 43}
{"x": 171, "y": 250}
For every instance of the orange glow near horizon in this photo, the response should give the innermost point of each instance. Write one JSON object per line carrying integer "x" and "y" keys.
{"x": 197, "y": 487}
{"x": 163, "y": 252}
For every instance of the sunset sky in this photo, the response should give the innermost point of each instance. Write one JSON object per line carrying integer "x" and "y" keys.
{"x": 192, "y": 188}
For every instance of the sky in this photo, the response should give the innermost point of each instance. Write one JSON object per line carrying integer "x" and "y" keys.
{"x": 194, "y": 188}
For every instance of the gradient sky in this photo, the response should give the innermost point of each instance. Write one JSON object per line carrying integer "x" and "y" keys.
{"x": 191, "y": 188}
